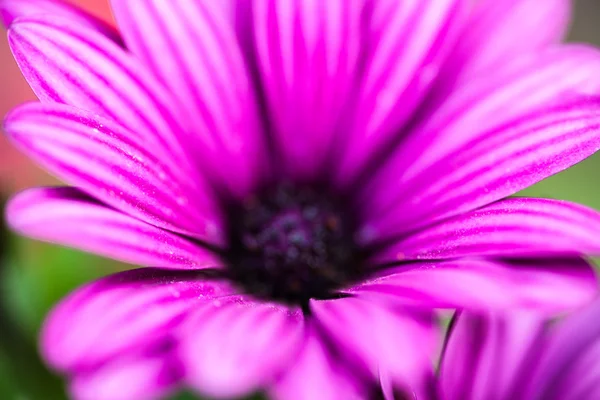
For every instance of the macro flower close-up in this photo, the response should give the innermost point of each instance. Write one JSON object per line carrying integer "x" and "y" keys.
{"x": 302, "y": 185}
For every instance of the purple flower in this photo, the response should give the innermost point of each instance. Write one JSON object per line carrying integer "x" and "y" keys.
{"x": 307, "y": 180}
{"x": 522, "y": 357}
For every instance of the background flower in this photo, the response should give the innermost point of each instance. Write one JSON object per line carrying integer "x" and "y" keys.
{"x": 520, "y": 356}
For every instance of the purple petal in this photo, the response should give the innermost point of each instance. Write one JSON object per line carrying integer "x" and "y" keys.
{"x": 583, "y": 381}
{"x": 69, "y": 217}
{"x": 547, "y": 285}
{"x": 145, "y": 378}
{"x": 232, "y": 347}
{"x": 508, "y": 228}
{"x": 494, "y": 165}
{"x": 307, "y": 53}
{"x": 528, "y": 83}
{"x": 66, "y": 63}
{"x": 211, "y": 80}
{"x": 406, "y": 44}
{"x": 316, "y": 374}
{"x": 490, "y": 356}
{"x": 500, "y": 30}
{"x": 10, "y": 10}
{"x": 103, "y": 159}
{"x": 396, "y": 341}
{"x": 570, "y": 369}
{"x": 121, "y": 314}
{"x": 580, "y": 380}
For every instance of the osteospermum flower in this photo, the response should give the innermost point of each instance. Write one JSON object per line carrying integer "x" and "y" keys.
{"x": 522, "y": 357}
{"x": 306, "y": 178}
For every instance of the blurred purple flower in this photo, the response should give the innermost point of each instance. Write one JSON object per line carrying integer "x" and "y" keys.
{"x": 306, "y": 175}
{"x": 522, "y": 357}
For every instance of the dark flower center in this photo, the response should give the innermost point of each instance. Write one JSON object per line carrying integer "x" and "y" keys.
{"x": 291, "y": 244}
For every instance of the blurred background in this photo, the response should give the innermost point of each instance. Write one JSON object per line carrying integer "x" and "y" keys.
{"x": 34, "y": 276}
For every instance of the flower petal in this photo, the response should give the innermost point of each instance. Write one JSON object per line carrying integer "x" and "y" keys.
{"x": 232, "y": 347}
{"x": 316, "y": 374}
{"x": 500, "y": 30}
{"x": 120, "y": 314}
{"x": 211, "y": 80}
{"x": 103, "y": 159}
{"x": 570, "y": 368}
{"x": 399, "y": 342}
{"x": 10, "y": 10}
{"x": 405, "y": 46}
{"x": 307, "y": 53}
{"x": 508, "y": 228}
{"x": 146, "y": 377}
{"x": 69, "y": 217}
{"x": 477, "y": 284}
{"x": 490, "y": 356}
{"x": 529, "y": 83}
{"x": 66, "y": 63}
{"x": 582, "y": 381}
{"x": 496, "y": 33}
{"x": 494, "y": 165}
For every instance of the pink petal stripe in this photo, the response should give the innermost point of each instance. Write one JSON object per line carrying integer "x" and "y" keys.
{"x": 101, "y": 158}
{"x": 211, "y": 81}
{"x": 396, "y": 341}
{"x": 10, "y": 10}
{"x": 570, "y": 365}
{"x": 69, "y": 217}
{"x": 316, "y": 374}
{"x": 66, "y": 63}
{"x": 579, "y": 380}
{"x": 530, "y": 82}
{"x": 547, "y": 286}
{"x": 307, "y": 53}
{"x": 583, "y": 379}
{"x": 406, "y": 44}
{"x": 490, "y": 356}
{"x": 119, "y": 314}
{"x": 232, "y": 346}
{"x": 500, "y": 30}
{"x": 508, "y": 228}
{"x": 127, "y": 378}
{"x": 494, "y": 165}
